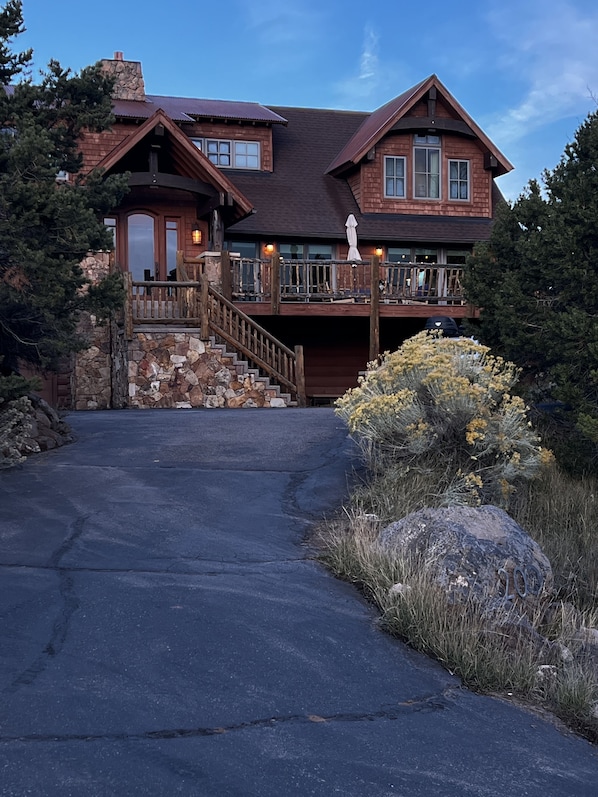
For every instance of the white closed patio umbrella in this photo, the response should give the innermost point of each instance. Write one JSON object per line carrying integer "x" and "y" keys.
{"x": 351, "y": 225}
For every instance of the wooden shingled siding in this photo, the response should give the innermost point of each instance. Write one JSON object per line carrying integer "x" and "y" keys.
{"x": 95, "y": 146}
{"x": 237, "y": 132}
{"x": 452, "y": 148}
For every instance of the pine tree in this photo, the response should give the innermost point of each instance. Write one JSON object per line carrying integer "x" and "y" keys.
{"x": 47, "y": 227}
{"x": 537, "y": 282}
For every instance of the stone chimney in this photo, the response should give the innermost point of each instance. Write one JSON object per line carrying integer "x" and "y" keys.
{"x": 128, "y": 83}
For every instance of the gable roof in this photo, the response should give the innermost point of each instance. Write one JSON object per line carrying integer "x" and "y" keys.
{"x": 299, "y": 196}
{"x": 189, "y": 160}
{"x": 378, "y": 124}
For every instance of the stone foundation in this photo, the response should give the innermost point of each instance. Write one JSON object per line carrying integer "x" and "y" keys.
{"x": 161, "y": 368}
{"x": 177, "y": 369}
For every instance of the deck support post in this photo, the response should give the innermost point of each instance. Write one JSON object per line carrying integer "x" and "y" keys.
{"x": 203, "y": 309}
{"x": 374, "y": 308}
{"x": 275, "y": 283}
{"x": 300, "y": 376}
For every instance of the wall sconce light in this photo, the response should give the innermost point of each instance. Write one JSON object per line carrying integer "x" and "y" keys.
{"x": 196, "y": 234}
{"x": 378, "y": 251}
{"x": 269, "y": 248}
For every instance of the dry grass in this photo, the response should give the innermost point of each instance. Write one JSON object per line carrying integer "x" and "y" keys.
{"x": 560, "y": 513}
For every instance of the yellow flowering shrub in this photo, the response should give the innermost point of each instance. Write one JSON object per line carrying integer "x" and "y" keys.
{"x": 445, "y": 404}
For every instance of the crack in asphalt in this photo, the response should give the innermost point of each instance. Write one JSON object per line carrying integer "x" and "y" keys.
{"x": 226, "y": 564}
{"x": 430, "y": 703}
{"x": 70, "y": 604}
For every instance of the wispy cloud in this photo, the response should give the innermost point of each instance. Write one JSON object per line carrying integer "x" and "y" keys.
{"x": 368, "y": 80}
{"x": 551, "y": 49}
{"x": 369, "y": 56}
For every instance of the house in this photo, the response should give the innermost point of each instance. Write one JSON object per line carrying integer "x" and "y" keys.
{"x": 255, "y": 200}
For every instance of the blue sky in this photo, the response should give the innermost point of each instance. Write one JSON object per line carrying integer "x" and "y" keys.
{"x": 525, "y": 70}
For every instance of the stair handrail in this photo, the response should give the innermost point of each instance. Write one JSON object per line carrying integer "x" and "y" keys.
{"x": 221, "y": 317}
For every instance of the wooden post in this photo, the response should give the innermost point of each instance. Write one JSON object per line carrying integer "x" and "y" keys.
{"x": 128, "y": 280}
{"x": 226, "y": 282}
{"x": 275, "y": 283}
{"x": 374, "y": 308}
{"x": 203, "y": 310}
{"x": 300, "y": 375}
{"x": 181, "y": 271}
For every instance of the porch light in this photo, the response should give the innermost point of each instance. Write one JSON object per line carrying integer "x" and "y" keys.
{"x": 378, "y": 251}
{"x": 269, "y": 248}
{"x": 196, "y": 234}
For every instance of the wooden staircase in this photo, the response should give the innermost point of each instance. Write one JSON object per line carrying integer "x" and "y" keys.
{"x": 198, "y": 303}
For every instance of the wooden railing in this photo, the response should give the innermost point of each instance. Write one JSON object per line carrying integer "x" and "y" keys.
{"x": 338, "y": 280}
{"x": 198, "y": 304}
{"x": 254, "y": 342}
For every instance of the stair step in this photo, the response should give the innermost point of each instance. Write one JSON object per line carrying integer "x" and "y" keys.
{"x": 242, "y": 369}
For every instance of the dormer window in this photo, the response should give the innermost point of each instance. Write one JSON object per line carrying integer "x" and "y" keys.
{"x": 426, "y": 167}
{"x": 230, "y": 154}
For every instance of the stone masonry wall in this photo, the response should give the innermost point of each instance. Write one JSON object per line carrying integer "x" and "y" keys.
{"x": 92, "y": 370}
{"x": 177, "y": 369}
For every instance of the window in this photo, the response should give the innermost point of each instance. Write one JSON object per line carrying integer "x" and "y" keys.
{"x": 428, "y": 256}
{"x": 230, "y": 154}
{"x": 140, "y": 244}
{"x": 457, "y": 257}
{"x": 459, "y": 179}
{"x": 110, "y": 225}
{"x": 394, "y": 177}
{"x": 426, "y": 167}
{"x": 246, "y": 154}
{"x": 219, "y": 152}
{"x": 172, "y": 244}
{"x": 399, "y": 254}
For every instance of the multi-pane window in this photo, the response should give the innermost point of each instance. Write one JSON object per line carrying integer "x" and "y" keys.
{"x": 459, "y": 179}
{"x": 426, "y": 167}
{"x": 394, "y": 176}
{"x": 246, "y": 154}
{"x": 218, "y": 151}
{"x": 231, "y": 154}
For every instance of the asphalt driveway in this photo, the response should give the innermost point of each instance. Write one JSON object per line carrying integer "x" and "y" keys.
{"x": 164, "y": 630}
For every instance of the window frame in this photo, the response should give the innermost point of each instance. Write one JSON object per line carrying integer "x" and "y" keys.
{"x": 394, "y": 178}
{"x": 427, "y": 144}
{"x": 458, "y": 181}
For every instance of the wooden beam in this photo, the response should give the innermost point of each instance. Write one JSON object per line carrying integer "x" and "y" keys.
{"x": 226, "y": 280}
{"x": 204, "y": 322}
{"x": 161, "y": 180}
{"x": 374, "y": 308}
{"x": 432, "y": 123}
{"x": 275, "y": 283}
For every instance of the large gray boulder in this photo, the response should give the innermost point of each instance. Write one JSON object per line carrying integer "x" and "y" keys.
{"x": 477, "y": 553}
